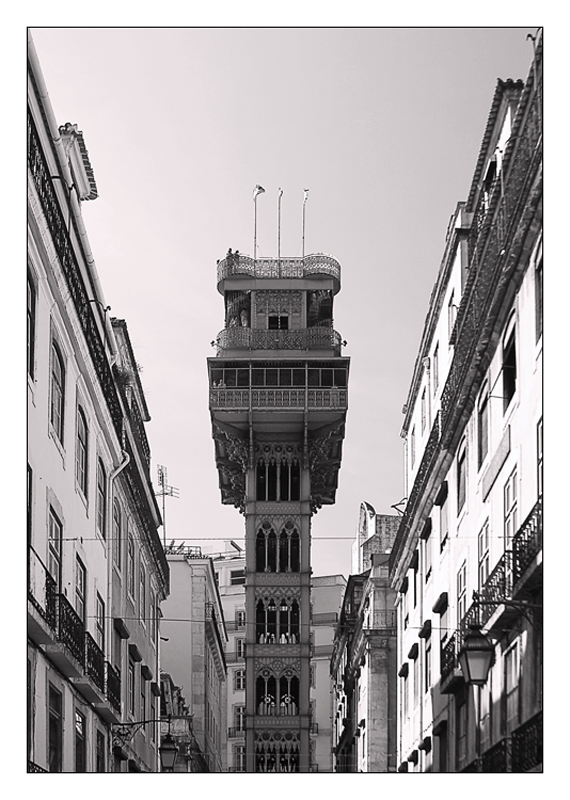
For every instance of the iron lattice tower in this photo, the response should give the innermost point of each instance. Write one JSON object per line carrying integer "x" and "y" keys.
{"x": 278, "y": 403}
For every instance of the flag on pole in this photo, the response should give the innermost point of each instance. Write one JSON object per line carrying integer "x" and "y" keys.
{"x": 258, "y": 190}
{"x": 280, "y": 192}
{"x": 305, "y": 195}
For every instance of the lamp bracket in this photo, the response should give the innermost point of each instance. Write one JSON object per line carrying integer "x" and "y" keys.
{"x": 123, "y": 732}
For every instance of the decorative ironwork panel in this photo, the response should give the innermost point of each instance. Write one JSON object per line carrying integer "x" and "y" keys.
{"x": 318, "y": 264}
{"x": 94, "y": 662}
{"x": 496, "y": 759}
{"x": 527, "y": 745}
{"x": 42, "y": 589}
{"x": 527, "y": 542}
{"x": 449, "y": 656}
{"x": 71, "y": 630}
{"x": 498, "y": 587}
{"x": 113, "y": 687}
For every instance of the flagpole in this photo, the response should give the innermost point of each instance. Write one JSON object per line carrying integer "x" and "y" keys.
{"x": 306, "y": 194}
{"x": 258, "y": 190}
{"x": 279, "y": 229}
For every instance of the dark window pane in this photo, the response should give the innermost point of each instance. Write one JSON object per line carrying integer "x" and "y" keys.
{"x": 243, "y": 377}
{"x": 298, "y": 377}
{"x": 230, "y": 377}
{"x": 326, "y": 377}
{"x": 284, "y": 323}
{"x": 271, "y": 376}
{"x": 340, "y": 378}
{"x": 284, "y": 377}
{"x": 273, "y": 323}
{"x": 258, "y": 377}
{"x": 314, "y": 377}
{"x": 217, "y": 376}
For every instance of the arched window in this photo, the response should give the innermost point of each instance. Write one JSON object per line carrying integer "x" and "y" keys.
{"x": 81, "y": 452}
{"x": 101, "y": 499}
{"x": 57, "y": 391}
{"x": 266, "y": 695}
{"x": 278, "y": 481}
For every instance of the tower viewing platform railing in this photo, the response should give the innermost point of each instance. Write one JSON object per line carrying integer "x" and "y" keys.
{"x": 317, "y": 338}
{"x": 315, "y": 264}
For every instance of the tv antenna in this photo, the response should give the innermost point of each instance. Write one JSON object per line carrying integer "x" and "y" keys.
{"x": 165, "y": 490}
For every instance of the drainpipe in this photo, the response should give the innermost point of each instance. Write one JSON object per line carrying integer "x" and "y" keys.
{"x": 72, "y": 196}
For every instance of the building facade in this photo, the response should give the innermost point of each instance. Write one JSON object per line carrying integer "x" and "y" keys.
{"x": 194, "y": 641}
{"x": 364, "y": 659}
{"x": 278, "y": 402}
{"x": 176, "y": 722}
{"x": 469, "y": 547}
{"x": 93, "y": 644}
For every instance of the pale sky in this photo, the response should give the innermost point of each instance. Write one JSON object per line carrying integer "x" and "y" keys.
{"x": 382, "y": 125}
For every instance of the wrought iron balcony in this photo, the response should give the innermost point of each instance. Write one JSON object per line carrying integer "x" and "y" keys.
{"x": 449, "y": 652}
{"x": 113, "y": 688}
{"x": 498, "y": 588}
{"x": 497, "y": 757}
{"x": 94, "y": 662}
{"x": 71, "y": 631}
{"x": 527, "y": 745}
{"x": 527, "y": 542}
{"x": 42, "y": 589}
{"x": 256, "y": 339}
{"x": 315, "y": 264}
{"x": 381, "y": 620}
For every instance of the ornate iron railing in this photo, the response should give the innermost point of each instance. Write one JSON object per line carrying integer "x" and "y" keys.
{"x": 449, "y": 652}
{"x": 113, "y": 687}
{"x": 498, "y": 587}
{"x": 42, "y": 588}
{"x": 473, "y": 766}
{"x": 94, "y": 662}
{"x": 278, "y": 398}
{"x": 302, "y": 339}
{"x": 494, "y": 224}
{"x": 71, "y": 631}
{"x": 496, "y": 759}
{"x": 527, "y": 542}
{"x": 68, "y": 260}
{"x": 138, "y": 429}
{"x": 316, "y": 264}
{"x": 527, "y": 745}
{"x": 379, "y": 620}
{"x": 32, "y": 767}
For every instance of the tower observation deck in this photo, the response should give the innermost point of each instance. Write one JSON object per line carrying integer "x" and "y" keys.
{"x": 278, "y": 395}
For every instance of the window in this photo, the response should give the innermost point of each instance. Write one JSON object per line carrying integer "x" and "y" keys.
{"x": 539, "y": 457}
{"x": 117, "y": 651}
{"x": 131, "y": 689}
{"x": 239, "y": 679}
{"x": 278, "y": 323}
{"x": 483, "y": 427}
{"x": 117, "y": 533}
{"x": 278, "y": 480}
{"x": 239, "y": 758}
{"x": 451, "y": 313}
{"x": 80, "y": 588}
{"x": 239, "y": 718}
{"x": 142, "y": 594}
{"x": 55, "y": 531}
{"x": 426, "y": 536}
{"x": 405, "y": 698}
{"x": 143, "y": 703}
{"x": 461, "y": 732}
{"x": 80, "y": 749}
{"x": 427, "y": 667}
{"x": 509, "y": 370}
{"x": 100, "y": 752}
{"x": 55, "y": 730}
{"x": 417, "y": 690}
{"x": 240, "y": 648}
{"x": 31, "y": 324}
{"x": 435, "y": 368}
{"x": 131, "y": 566}
{"x": 538, "y": 297}
{"x": 483, "y": 552}
{"x": 81, "y": 452}
{"x": 152, "y": 617}
{"x": 57, "y": 391}
{"x": 101, "y": 498}
{"x": 413, "y": 446}
{"x": 237, "y": 577}
{"x": 100, "y": 622}
{"x": 405, "y": 606}
{"x": 423, "y": 410}
{"x": 511, "y": 690}
{"x": 510, "y": 506}
{"x": 240, "y": 619}
{"x": 461, "y": 478}
{"x": 312, "y": 675}
{"x": 461, "y": 592}
{"x": 443, "y": 523}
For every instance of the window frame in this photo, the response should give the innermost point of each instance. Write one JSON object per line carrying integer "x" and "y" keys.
{"x": 509, "y": 366}
{"x": 510, "y": 507}
{"x": 101, "y": 503}
{"x": 55, "y": 728}
{"x": 483, "y": 426}
{"x": 57, "y": 391}
{"x": 117, "y": 533}
{"x": 55, "y": 546}
{"x": 80, "y": 589}
{"x": 80, "y": 740}
{"x": 82, "y": 452}
{"x": 461, "y": 477}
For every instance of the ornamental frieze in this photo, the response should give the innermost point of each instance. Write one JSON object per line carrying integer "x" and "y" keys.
{"x": 266, "y": 651}
{"x": 278, "y": 302}
{"x": 277, "y": 667}
{"x": 278, "y": 522}
{"x": 284, "y": 579}
{"x": 268, "y": 510}
{"x": 277, "y": 592}
{"x": 278, "y": 451}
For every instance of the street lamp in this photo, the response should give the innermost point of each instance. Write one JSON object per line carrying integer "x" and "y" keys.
{"x": 476, "y": 656}
{"x": 168, "y": 752}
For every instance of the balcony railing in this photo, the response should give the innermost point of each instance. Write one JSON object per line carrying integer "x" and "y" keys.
{"x": 236, "y": 732}
{"x": 113, "y": 688}
{"x": 496, "y": 759}
{"x": 42, "y": 589}
{"x": 94, "y": 662}
{"x": 301, "y": 339}
{"x": 316, "y": 264}
{"x": 527, "y": 542}
{"x": 449, "y": 654}
{"x": 498, "y": 587}
{"x": 527, "y": 745}
{"x": 71, "y": 631}
{"x": 379, "y": 620}
{"x": 240, "y": 399}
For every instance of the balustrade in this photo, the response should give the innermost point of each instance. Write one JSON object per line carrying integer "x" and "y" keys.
{"x": 256, "y": 339}
{"x": 449, "y": 653}
{"x": 113, "y": 687}
{"x": 498, "y": 587}
{"x": 496, "y": 759}
{"x": 527, "y": 542}
{"x": 71, "y": 631}
{"x": 42, "y": 588}
{"x": 527, "y": 745}
{"x": 316, "y": 264}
